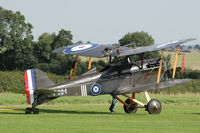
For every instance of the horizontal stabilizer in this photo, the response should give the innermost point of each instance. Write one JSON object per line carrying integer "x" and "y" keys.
{"x": 38, "y": 91}
{"x": 43, "y": 91}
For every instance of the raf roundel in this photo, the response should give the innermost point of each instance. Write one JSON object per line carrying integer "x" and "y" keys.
{"x": 80, "y": 48}
{"x": 95, "y": 89}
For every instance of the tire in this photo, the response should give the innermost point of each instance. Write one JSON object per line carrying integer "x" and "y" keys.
{"x": 131, "y": 108}
{"x": 154, "y": 106}
{"x": 28, "y": 110}
{"x": 36, "y": 111}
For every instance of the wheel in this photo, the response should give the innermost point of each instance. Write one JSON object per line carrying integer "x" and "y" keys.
{"x": 154, "y": 106}
{"x": 36, "y": 111}
{"x": 131, "y": 108}
{"x": 28, "y": 110}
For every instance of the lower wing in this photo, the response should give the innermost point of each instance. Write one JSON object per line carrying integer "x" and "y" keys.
{"x": 156, "y": 86}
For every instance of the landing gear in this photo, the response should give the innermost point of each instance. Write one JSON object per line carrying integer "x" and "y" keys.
{"x": 131, "y": 105}
{"x": 36, "y": 111}
{"x": 131, "y": 108}
{"x": 154, "y": 106}
{"x": 28, "y": 110}
{"x": 112, "y": 106}
{"x": 32, "y": 110}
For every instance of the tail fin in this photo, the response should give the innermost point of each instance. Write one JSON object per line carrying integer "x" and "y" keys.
{"x": 35, "y": 79}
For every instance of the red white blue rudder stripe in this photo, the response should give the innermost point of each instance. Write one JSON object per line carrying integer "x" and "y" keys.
{"x": 30, "y": 85}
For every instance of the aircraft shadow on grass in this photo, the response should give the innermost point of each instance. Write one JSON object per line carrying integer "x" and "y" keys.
{"x": 72, "y": 111}
{"x": 196, "y": 113}
{"x": 21, "y": 112}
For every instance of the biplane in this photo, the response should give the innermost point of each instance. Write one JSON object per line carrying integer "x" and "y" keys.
{"x": 117, "y": 78}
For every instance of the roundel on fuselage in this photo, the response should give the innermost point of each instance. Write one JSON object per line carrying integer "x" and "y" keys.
{"x": 95, "y": 89}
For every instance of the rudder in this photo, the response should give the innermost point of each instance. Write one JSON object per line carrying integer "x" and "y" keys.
{"x": 35, "y": 79}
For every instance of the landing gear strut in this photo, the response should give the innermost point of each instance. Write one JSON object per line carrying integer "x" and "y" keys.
{"x": 131, "y": 105}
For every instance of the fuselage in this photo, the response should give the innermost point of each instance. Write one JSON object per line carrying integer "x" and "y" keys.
{"x": 113, "y": 80}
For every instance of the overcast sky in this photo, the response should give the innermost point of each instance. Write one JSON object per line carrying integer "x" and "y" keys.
{"x": 106, "y": 21}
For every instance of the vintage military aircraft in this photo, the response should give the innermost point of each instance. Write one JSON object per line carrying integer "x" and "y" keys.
{"x": 117, "y": 78}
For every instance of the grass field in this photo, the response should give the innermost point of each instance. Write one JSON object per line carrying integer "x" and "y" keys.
{"x": 191, "y": 60}
{"x": 180, "y": 114}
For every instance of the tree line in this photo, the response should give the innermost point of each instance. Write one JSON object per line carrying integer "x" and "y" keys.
{"x": 19, "y": 51}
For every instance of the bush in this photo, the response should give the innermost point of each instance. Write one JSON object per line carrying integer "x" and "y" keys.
{"x": 14, "y": 80}
{"x": 11, "y": 80}
{"x": 193, "y": 74}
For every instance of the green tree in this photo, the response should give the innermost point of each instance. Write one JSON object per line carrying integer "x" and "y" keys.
{"x": 79, "y": 42}
{"x": 43, "y": 47}
{"x": 139, "y": 39}
{"x": 56, "y": 63}
{"x": 63, "y": 38}
{"x": 16, "y": 39}
{"x": 48, "y": 42}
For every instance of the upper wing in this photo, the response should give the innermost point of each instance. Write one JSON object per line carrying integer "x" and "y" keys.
{"x": 154, "y": 47}
{"x": 100, "y": 50}
{"x": 86, "y": 49}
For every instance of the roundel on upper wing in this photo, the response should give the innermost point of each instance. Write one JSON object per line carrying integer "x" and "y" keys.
{"x": 95, "y": 89}
{"x": 79, "y": 48}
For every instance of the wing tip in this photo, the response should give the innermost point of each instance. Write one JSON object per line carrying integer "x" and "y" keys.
{"x": 190, "y": 39}
{"x": 58, "y": 51}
